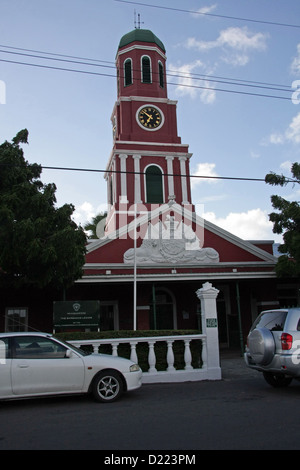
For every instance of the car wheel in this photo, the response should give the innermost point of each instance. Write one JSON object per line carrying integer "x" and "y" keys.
{"x": 277, "y": 380}
{"x": 107, "y": 386}
{"x": 261, "y": 346}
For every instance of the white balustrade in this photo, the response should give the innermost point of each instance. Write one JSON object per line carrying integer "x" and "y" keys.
{"x": 171, "y": 374}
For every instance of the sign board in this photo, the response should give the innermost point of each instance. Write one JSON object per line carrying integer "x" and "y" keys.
{"x": 211, "y": 323}
{"x": 83, "y": 313}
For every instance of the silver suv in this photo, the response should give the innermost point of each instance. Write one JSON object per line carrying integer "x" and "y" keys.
{"x": 273, "y": 346}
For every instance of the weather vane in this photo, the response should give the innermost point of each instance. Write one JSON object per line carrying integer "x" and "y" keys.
{"x": 137, "y": 23}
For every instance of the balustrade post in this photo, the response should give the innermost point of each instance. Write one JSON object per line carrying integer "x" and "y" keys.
{"x": 133, "y": 354}
{"x": 187, "y": 355}
{"x": 170, "y": 356}
{"x": 115, "y": 348}
{"x": 152, "y": 357}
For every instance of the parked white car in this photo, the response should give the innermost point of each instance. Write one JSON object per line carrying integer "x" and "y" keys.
{"x": 37, "y": 364}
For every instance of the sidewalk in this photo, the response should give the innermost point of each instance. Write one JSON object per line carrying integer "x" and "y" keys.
{"x": 233, "y": 365}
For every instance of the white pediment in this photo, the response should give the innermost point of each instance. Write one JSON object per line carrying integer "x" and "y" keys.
{"x": 171, "y": 242}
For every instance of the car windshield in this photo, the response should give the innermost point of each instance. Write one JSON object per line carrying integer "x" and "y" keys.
{"x": 74, "y": 348}
{"x": 272, "y": 320}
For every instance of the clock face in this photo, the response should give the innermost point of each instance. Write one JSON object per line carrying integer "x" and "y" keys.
{"x": 149, "y": 117}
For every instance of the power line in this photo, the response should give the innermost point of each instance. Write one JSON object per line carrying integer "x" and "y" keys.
{"x": 262, "y": 95}
{"x": 62, "y": 60}
{"x": 95, "y": 170}
{"x": 171, "y": 73}
{"x": 55, "y": 53}
{"x": 214, "y": 15}
{"x": 57, "y": 68}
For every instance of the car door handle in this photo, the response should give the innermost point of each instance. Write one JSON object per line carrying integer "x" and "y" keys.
{"x": 23, "y": 366}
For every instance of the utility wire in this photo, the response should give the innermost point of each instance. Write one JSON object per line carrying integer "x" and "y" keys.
{"x": 214, "y": 15}
{"x": 263, "y": 95}
{"x": 171, "y": 73}
{"x": 94, "y": 170}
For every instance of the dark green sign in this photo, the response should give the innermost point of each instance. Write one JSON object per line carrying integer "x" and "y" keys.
{"x": 211, "y": 323}
{"x": 83, "y": 313}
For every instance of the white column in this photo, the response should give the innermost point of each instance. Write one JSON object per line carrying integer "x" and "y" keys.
{"x": 152, "y": 357}
{"x": 171, "y": 194}
{"x": 123, "y": 179}
{"x": 208, "y": 298}
{"x": 137, "y": 179}
{"x": 114, "y": 180}
{"x": 183, "y": 180}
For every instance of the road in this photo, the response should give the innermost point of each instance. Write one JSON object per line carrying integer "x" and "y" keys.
{"x": 239, "y": 412}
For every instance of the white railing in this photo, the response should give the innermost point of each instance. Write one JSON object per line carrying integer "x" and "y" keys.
{"x": 189, "y": 373}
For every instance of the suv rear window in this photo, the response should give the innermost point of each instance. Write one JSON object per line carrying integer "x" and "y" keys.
{"x": 274, "y": 321}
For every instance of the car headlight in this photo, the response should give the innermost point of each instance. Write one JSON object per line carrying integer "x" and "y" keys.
{"x": 134, "y": 368}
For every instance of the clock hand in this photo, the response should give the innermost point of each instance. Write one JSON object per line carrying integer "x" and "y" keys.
{"x": 150, "y": 117}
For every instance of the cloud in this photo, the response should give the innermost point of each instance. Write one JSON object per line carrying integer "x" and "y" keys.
{"x": 86, "y": 211}
{"x": 291, "y": 134}
{"x": 276, "y": 138}
{"x": 190, "y": 84}
{"x": 251, "y": 225}
{"x": 286, "y": 166}
{"x": 295, "y": 67}
{"x": 235, "y": 42}
{"x": 240, "y": 39}
{"x": 203, "y": 11}
{"x": 254, "y": 155}
{"x": 204, "y": 169}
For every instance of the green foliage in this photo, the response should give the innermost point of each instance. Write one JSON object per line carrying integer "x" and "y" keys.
{"x": 92, "y": 226}
{"x": 40, "y": 245}
{"x": 287, "y": 222}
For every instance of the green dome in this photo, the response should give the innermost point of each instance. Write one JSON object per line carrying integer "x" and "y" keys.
{"x": 142, "y": 35}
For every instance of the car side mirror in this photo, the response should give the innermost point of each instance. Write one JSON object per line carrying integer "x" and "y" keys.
{"x": 68, "y": 353}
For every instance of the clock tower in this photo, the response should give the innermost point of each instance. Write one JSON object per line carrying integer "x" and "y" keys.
{"x": 148, "y": 164}
{"x": 153, "y": 234}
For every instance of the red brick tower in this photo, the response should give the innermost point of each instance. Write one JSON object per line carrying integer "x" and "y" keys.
{"x": 148, "y": 164}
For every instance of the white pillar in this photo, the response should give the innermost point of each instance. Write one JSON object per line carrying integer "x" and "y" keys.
{"x": 123, "y": 179}
{"x": 137, "y": 179}
{"x": 183, "y": 179}
{"x": 208, "y": 298}
{"x": 171, "y": 194}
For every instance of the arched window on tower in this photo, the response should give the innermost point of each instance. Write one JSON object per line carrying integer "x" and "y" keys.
{"x": 154, "y": 185}
{"x": 128, "y": 72}
{"x": 161, "y": 74}
{"x": 146, "y": 69}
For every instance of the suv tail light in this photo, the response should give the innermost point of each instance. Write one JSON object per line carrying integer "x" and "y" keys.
{"x": 286, "y": 341}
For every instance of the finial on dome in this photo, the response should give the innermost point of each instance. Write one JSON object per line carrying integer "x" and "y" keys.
{"x": 137, "y": 23}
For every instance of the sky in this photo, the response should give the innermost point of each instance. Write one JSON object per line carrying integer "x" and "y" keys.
{"x": 233, "y": 66}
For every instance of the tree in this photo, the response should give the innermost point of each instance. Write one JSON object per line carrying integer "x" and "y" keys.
{"x": 286, "y": 222}
{"x": 92, "y": 226}
{"x": 40, "y": 245}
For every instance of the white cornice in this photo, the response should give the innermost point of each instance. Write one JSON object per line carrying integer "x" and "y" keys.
{"x": 154, "y": 153}
{"x": 146, "y": 99}
{"x": 141, "y": 47}
{"x": 111, "y": 278}
{"x": 222, "y": 265}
